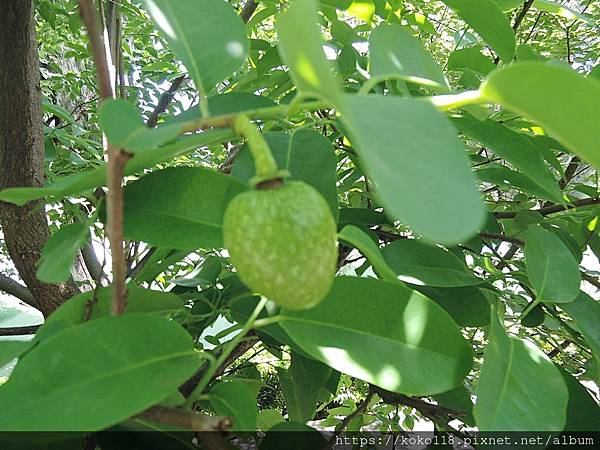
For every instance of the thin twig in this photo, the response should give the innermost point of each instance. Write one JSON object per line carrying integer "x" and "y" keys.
{"x": 341, "y": 427}
{"x": 164, "y": 100}
{"x": 522, "y": 14}
{"x": 117, "y": 159}
{"x": 551, "y": 209}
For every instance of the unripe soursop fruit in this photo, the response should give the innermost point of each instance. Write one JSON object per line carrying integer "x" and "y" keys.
{"x": 283, "y": 243}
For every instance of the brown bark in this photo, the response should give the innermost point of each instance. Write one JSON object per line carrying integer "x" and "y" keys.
{"x": 22, "y": 150}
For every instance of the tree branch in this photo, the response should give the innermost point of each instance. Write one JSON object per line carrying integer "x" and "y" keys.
{"x": 185, "y": 419}
{"x": 248, "y": 10}
{"x": 164, "y": 100}
{"x": 551, "y": 209}
{"x": 16, "y": 289}
{"x": 91, "y": 261}
{"x": 116, "y": 164}
{"x": 19, "y": 331}
{"x": 522, "y": 14}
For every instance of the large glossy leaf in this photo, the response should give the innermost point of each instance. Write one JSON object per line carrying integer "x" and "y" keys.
{"x": 59, "y": 252}
{"x": 399, "y": 140}
{"x": 467, "y": 305}
{"x": 369, "y": 329}
{"x": 125, "y": 129}
{"x": 559, "y": 99}
{"x": 361, "y": 241}
{"x": 300, "y": 385}
{"x": 179, "y": 207}
{"x": 301, "y": 47}
{"x": 130, "y": 362}
{"x": 487, "y": 20}
{"x": 83, "y": 181}
{"x": 422, "y": 264}
{"x": 551, "y": 267}
{"x": 209, "y": 37}
{"x": 585, "y": 311}
{"x": 98, "y": 304}
{"x": 519, "y": 389}
{"x": 515, "y": 148}
{"x": 307, "y": 155}
{"x": 12, "y": 348}
{"x": 583, "y": 413}
{"x": 237, "y": 400}
{"x": 394, "y": 51}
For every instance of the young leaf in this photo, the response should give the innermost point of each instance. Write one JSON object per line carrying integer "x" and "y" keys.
{"x": 519, "y": 387}
{"x": 394, "y": 51}
{"x": 559, "y": 99}
{"x": 301, "y": 47}
{"x": 373, "y": 341}
{"x": 307, "y": 155}
{"x": 208, "y": 37}
{"x": 125, "y": 128}
{"x": 487, "y": 20}
{"x": 130, "y": 362}
{"x": 59, "y": 252}
{"x": 361, "y": 241}
{"x": 551, "y": 267}
{"x": 399, "y": 141}
{"x": 179, "y": 207}
{"x": 235, "y": 399}
{"x": 427, "y": 265}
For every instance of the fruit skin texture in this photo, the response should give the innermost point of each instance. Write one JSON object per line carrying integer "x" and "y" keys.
{"x": 283, "y": 243}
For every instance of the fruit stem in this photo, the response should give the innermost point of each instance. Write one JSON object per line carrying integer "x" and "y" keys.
{"x": 231, "y": 345}
{"x": 266, "y": 166}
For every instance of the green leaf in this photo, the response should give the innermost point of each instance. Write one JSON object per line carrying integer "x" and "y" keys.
{"x": 585, "y": 311}
{"x": 508, "y": 180}
{"x": 458, "y": 399}
{"x": 301, "y": 47}
{"x": 268, "y": 418}
{"x": 372, "y": 341}
{"x": 11, "y": 349}
{"x": 515, "y": 148}
{"x": 583, "y": 413}
{"x": 551, "y": 267}
{"x": 519, "y": 388}
{"x": 467, "y": 305}
{"x": 232, "y": 102}
{"x": 235, "y": 399}
{"x": 130, "y": 362}
{"x": 208, "y": 37}
{"x": 300, "y": 385}
{"x": 60, "y": 251}
{"x": 427, "y": 265}
{"x": 559, "y": 99}
{"x": 83, "y": 181}
{"x": 394, "y": 51}
{"x": 125, "y": 129}
{"x": 471, "y": 58}
{"x": 98, "y": 304}
{"x": 307, "y": 155}
{"x": 489, "y": 22}
{"x": 179, "y": 207}
{"x": 563, "y": 11}
{"x": 361, "y": 241}
{"x": 399, "y": 140}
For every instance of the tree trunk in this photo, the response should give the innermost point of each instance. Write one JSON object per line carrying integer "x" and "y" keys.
{"x": 22, "y": 150}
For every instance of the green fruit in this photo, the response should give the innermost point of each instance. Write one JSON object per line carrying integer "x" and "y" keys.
{"x": 283, "y": 243}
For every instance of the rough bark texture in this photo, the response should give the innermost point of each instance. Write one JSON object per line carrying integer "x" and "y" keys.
{"x": 22, "y": 150}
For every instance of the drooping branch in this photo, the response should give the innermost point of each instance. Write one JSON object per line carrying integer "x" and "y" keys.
{"x": 117, "y": 159}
